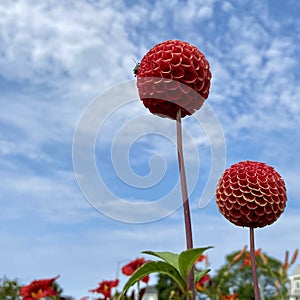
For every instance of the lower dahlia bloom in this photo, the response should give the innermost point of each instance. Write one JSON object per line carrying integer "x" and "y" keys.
{"x": 105, "y": 288}
{"x": 186, "y": 75}
{"x": 39, "y": 289}
{"x": 251, "y": 194}
{"x": 130, "y": 268}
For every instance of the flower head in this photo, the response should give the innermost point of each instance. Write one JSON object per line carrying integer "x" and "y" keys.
{"x": 230, "y": 297}
{"x": 130, "y": 268}
{"x": 187, "y": 79}
{"x": 200, "y": 285}
{"x": 105, "y": 288}
{"x": 251, "y": 194}
{"x": 38, "y": 289}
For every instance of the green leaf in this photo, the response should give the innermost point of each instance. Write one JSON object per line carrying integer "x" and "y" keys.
{"x": 168, "y": 257}
{"x": 155, "y": 267}
{"x": 187, "y": 259}
{"x": 200, "y": 274}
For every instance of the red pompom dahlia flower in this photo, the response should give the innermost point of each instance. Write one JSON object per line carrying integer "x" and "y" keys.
{"x": 251, "y": 194}
{"x": 186, "y": 79}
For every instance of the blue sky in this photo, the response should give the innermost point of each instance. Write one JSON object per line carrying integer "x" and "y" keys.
{"x": 58, "y": 56}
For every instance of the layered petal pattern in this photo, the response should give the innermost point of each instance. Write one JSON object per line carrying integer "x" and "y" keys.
{"x": 251, "y": 194}
{"x": 186, "y": 75}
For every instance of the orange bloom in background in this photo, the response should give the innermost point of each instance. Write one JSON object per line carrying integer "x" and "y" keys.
{"x": 200, "y": 284}
{"x": 230, "y": 297}
{"x": 239, "y": 255}
{"x": 247, "y": 260}
{"x": 38, "y": 289}
{"x": 130, "y": 268}
{"x": 105, "y": 288}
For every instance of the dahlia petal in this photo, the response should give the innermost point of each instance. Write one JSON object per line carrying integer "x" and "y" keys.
{"x": 235, "y": 213}
{"x": 252, "y": 179}
{"x": 268, "y": 209}
{"x": 281, "y": 206}
{"x": 245, "y": 189}
{"x": 271, "y": 181}
{"x": 223, "y": 197}
{"x": 178, "y": 72}
{"x": 234, "y": 185}
{"x": 275, "y": 208}
{"x": 260, "y": 201}
{"x": 199, "y": 85}
{"x": 236, "y": 205}
{"x": 177, "y": 50}
{"x": 167, "y": 56}
{"x": 249, "y": 197}
{"x": 190, "y": 76}
{"x": 241, "y": 201}
{"x": 252, "y": 205}
{"x": 242, "y": 181}
{"x": 256, "y": 192}
{"x": 188, "y": 53}
{"x": 165, "y": 67}
{"x": 274, "y": 192}
{"x": 253, "y": 186}
{"x": 237, "y": 193}
{"x": 275, "y": 199}
{"x": 245, "y": 211}
{"x": 231, "y": 199}
{"x": 227, "y": 191}
{"x": 260, "y": 211}
{"x": 228, "y": 205}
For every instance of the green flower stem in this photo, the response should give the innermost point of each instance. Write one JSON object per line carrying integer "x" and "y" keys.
{"x": 186, "y": 208}
{"x": 253, "y": 265}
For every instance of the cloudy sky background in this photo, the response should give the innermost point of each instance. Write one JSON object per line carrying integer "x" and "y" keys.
{"x": 56, "y": 57}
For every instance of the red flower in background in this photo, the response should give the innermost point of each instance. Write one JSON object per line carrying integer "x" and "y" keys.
{"x": 230, "y": 297}
{"x": 200, "y": 284}
{"x": 251, "y": 194}
{"x": 187, "y": 75}
{"x": 130, "y": 268}
{"x": 202, "y": 257}
{"x": 105, "y": 288}
{"x": 38, "y": 289}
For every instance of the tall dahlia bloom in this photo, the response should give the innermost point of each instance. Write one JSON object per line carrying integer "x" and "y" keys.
{"x": 173, "y": 81}
{"x": 186, "y": 75}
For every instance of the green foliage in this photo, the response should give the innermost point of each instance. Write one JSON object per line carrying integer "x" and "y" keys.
{"x": 9, "y": 289}
{"x": 166, "y": 286}
{"x": 236, "y": 275}
{"x": 173, "y": 265}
